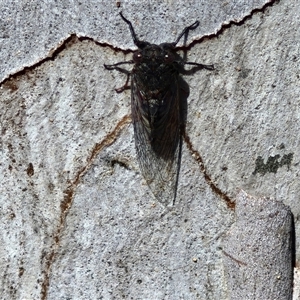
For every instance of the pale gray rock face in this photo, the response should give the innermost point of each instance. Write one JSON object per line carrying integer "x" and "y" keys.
{"x": 258, "y": 250}
{"x": 78, "y": 220}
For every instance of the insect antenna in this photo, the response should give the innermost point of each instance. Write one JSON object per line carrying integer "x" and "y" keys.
{"x": 136, "y": 41}
{"x": 185, "y": 30}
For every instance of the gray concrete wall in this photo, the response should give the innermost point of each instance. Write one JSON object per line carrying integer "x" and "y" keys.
{"x": 78, "y": 220}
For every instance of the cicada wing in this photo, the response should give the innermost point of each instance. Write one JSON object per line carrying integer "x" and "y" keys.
{"x": 158, "y": 144}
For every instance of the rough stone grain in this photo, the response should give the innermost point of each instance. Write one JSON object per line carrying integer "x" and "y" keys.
{"x": 258, "y": 251}
{"x": 77, "y": 219}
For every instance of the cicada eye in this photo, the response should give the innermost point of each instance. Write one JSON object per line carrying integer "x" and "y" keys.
{"x": 137, "y": 56}
{"x": 169, "y": 57}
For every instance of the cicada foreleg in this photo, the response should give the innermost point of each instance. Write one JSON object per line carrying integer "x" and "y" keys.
{"x": 207, "y": 67}
{"x": 196, "y": 67}
{"x": 128, "y": 73}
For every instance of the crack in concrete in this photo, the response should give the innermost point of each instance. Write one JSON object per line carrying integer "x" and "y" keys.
{"x": 73, "y": 37}
{"x": 228, "y": 24}
{"x": 196, "y": 155}
{"x": 239, "y": 262}
{"x": 53, "y": 53}
{"x": 112, "y": 136}
{"x": 69, "y": 196}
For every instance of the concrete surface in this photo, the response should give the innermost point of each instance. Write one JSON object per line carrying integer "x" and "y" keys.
{"x": 258, "y": 251}
{"x": 78, "y": 220}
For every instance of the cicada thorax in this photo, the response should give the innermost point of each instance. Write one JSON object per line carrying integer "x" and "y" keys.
{"x": 155, "y": 67}
{"x": 155, "y": 76}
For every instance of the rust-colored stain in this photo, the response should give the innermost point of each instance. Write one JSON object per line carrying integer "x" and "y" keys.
{"x": 69, "y": 196}
{"x": 239, "y": 262}
{"x": 230, "y": 203}
{"x": 10, "y": 83}
{"x": 21, "y": 271}
{"x": 30, "y": 170}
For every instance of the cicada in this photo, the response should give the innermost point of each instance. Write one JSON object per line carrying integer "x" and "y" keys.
{"x": 156, "y": 107}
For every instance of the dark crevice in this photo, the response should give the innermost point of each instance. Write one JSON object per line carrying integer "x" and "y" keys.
{"x": 53, "y": 53}
{"x": 74, "y": 37}
{"x": 228, "y": 24}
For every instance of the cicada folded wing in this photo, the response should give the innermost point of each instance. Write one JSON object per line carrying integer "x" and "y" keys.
{"x": 157, "y": 129}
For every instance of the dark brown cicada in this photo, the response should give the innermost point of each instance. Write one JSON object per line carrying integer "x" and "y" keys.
{"x": 157, "y": 111}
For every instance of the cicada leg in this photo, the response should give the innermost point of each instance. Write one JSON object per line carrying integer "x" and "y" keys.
{"x": 128, "y": 73}
{"x": 207, "y": 67}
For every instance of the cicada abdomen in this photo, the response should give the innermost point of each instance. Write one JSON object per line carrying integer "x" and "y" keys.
{"x": 156, "y": 107}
